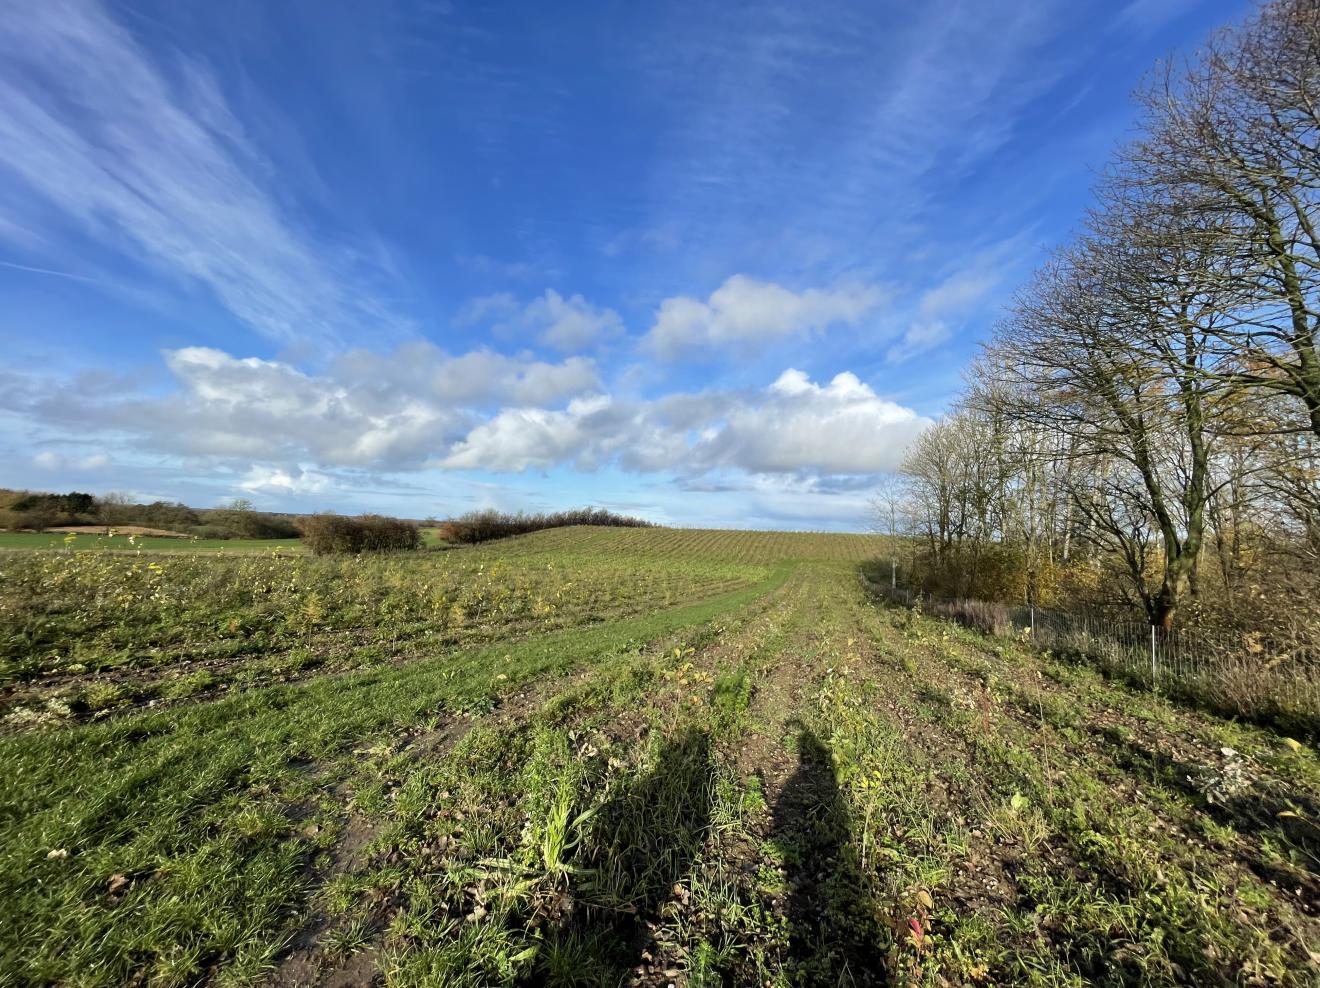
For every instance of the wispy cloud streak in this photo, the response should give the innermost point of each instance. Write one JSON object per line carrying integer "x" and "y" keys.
{"x": 148, "y": 159}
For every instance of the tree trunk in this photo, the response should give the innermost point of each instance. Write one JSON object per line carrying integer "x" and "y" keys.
{"x": 1165, "y": 606}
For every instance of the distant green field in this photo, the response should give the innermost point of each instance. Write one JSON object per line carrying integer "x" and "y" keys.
{"x": 431, "y": 538}
{"x": 81, "y": 540}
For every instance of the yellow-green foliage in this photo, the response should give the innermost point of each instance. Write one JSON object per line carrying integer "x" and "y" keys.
{"x": 79, "y": 611}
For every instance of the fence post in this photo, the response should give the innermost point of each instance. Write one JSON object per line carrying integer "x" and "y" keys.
{"x": 1154, "y": 680}
{"x": 1033, "y": 622}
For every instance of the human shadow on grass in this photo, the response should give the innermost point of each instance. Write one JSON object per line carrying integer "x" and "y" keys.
{"x": 643, "y": 842}
{"x": 835, "y": 936}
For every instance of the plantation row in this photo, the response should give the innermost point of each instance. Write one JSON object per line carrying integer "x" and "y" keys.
{"x": 728, "y": 546}
{"x": 88, "y": 631}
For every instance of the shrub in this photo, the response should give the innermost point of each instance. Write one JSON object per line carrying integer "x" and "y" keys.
{"x": 330, "y": 533}
{"x": 984, "y": 616}
{"x": 381, "y": 534}
{"x": 482, "y": 526}
{"x": 209, "y": 532}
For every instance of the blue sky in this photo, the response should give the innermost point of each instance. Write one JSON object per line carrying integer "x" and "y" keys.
{"x": 711, "y": 264}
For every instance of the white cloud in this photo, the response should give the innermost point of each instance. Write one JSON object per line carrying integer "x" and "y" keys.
{"x": 519, "y": 438}
{"x": 746, "y": 311}
{"x": 571, "y": 324}
{"x": 959, "y": 292}
{"x": 567, "y": 324}
{"x": 479, "y": 378}
{"x": 487, "y": 308}
{"x": 797, "y": 425}
{"x": 156, "y": 165}
{"x": 951, "y": 300}
{"x": 50, "y": 460}
{"x": 275, "y": 480}
{"x": 418, "y": 408}
{"x": 794, "y": 425}
{"x": 380, "y": 411}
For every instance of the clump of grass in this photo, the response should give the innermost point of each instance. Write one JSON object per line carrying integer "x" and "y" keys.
{"x": 350, "y": 938}
{"x": 731, "y": 694}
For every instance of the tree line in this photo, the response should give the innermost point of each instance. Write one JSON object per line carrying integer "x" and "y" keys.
{"x": 38, "y": 511}
{"x": 1143, "y": 429}
{"x": 483, "y": 526}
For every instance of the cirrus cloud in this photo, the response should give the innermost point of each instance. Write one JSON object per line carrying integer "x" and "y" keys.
{"x": 149, "y": 158}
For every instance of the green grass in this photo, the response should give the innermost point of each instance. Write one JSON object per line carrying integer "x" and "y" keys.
{"x": 707, "y": 756}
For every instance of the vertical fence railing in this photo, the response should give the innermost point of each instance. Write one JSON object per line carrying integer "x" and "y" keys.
{"x": 1194, "y": 660}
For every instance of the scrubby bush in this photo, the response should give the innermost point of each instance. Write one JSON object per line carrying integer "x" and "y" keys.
{"x": 984, "y": 616}
{"x": 329, "y": 533}
{"x": 381, "y": 534}
{"x": 482, "y": 526}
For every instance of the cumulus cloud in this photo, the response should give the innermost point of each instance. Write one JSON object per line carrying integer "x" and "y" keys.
{"x": 389, "y": 411}
{"x": 480, "y": 378}
{"x": 418, "y": 408}
{"x": 276, "y": 480}
{"x": 841, "y": 427}
{"x": 519, "y": 438}
{"x": 567, "y": 324}
{"x": 572, "y": 323}
{"x": 745, "y": 311}
{"x": 793, "y": 426}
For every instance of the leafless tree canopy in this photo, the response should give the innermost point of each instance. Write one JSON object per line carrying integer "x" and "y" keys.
{"x": 1143, "y": 430}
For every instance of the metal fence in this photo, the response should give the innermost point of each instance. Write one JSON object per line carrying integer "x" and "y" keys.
{"x": 1250, "y": 674}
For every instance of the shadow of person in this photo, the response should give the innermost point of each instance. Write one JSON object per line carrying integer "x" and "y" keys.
{"x": 644, "y": 841}
{"x": 835, "y": 935}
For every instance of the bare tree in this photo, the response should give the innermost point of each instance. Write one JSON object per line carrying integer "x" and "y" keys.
{"x": 1150, "y": 405}
{"x": 114, "y": 509}
{"x": 1233, "y": 143}
{"x": 887, "y": 507}
{"x": 1107, "y": 348}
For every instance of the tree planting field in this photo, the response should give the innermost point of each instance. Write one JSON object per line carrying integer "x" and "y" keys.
{"x": 79, "y": 541}
{"x": 609, "y": 756}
